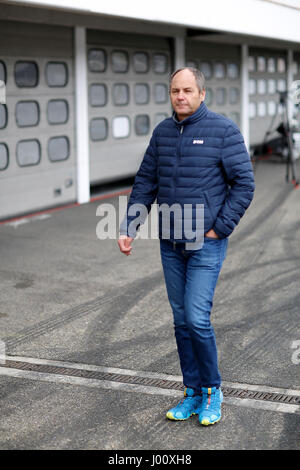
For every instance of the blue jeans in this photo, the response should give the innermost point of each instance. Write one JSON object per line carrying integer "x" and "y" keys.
{"x": 191, "y": 278}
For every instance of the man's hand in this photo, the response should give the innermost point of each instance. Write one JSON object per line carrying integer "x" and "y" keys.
{"x": 124, "y": 243}
{"x": 211, "y": 234}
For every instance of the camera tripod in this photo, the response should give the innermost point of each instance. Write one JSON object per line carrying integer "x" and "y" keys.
{"x": 285, "y": 130}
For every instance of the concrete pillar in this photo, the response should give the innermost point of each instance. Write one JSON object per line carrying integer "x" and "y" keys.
{"x": 245, "y": 95}
{"x": 81, "y": 114}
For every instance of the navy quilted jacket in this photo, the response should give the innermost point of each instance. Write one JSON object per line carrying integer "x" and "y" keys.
{"x": 200, "y": 160}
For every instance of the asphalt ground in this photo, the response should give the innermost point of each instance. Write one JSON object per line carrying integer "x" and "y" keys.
{"x": 67, "y": 296}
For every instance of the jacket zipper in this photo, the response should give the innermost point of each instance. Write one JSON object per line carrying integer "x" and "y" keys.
{"x": 178, "y": 155}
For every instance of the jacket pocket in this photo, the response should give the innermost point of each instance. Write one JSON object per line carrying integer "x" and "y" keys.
{"x": 208, "y": 207}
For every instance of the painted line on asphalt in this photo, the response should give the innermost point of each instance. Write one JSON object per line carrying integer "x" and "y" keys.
{"x": 38, "y": 215}
{"x": 137, "y": 388}
{"x": 105, "y": 384}
{"x": 146, "y": 374}
{"x": 125, "y": 387}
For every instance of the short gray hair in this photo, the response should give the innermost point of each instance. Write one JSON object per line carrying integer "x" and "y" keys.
{"x": 199, "y": 77}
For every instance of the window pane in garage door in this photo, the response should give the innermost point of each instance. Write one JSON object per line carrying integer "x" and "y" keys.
{"x": 272, "y": 105}
{"x": 98, "y": 95}
{"x": 97, "y": 60}
{"x": 261, "y": 86}
{"x": 142, "y": 124}
{"x": 271, "y": 86}
{"x": 56, "y": 74}
{"x": 2, "y": 71}
{"x": 120, "y": 62}
{"x": 3, "y": 116}
{"x": 98, "y": 129}
{"x": 281, "y": 67}
{"x": 121, "y": 127}
{"x": 206, "y": 69}
{"x": 121, "y": 94}
{"x": 219, "y": 69}
{"x": 27, "y": 113}
{"x": 57, "y": 111}
{"x": 26, "y": 74}
{"x": 208, "y": 96}
{"x": 140, "y": 62}
{"x": 28, "y": 152}
{"x": 58, "y": 148}
{"x": 3, "y": 156}
{"x": 261, "y": 64}
{"x": 141, "y": 93}
{"x": 233, "y": 71}
{"x": 262, "y": 109}
{"x": 252, "y": 86}
{"x": 271, "y": 65}
{"x": 220, "y": 96}
{"x": 234, "y": 94}
{"x": 160, "y": 63}
{"x": 281, "y": 85}
{"x": 160, "y": 93}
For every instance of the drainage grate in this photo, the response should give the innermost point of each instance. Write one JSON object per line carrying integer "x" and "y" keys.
{"x": 265, "y": 396}
{"x": 96, "y": 375}
{"x": 153, "y": 382}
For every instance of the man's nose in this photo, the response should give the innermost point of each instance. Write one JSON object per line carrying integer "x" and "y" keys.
{"x": 180, "y": 95}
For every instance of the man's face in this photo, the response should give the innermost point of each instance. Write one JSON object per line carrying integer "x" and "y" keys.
{"x": 185, "y": 95}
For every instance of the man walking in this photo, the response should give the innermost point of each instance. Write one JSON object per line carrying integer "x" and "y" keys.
{"x": 195, "y": 157}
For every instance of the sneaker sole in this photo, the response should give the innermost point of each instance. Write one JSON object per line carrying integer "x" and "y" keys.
{"x": 172, "y": 418}
{"x": 206, "y": 422}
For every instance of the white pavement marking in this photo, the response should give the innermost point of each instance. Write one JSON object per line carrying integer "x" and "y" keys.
{"x": 27, "y": 220}
{"x": 111, "y": 385}
{"x": 107, "y": 384}
{"x": 151, "y": 375}
{"x": 262, "y": 405}
{"x": 262, "y": 388}
{"x": 90, "y": 367}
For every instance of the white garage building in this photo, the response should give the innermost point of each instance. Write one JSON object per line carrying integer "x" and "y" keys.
{"x": 83, "y": 83}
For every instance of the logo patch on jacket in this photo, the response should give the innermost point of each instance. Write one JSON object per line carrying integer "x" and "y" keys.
{"x": 198, "y": 141}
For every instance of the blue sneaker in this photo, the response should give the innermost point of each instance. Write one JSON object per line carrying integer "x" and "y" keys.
{"x": 210, "y": 411}
{"x": 187, "y": 407}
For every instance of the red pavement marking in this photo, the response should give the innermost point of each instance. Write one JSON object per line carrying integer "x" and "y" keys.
{"x": 67, "y": 206}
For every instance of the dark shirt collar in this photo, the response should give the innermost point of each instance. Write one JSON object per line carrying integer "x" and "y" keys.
{"x": 200, "y": 113}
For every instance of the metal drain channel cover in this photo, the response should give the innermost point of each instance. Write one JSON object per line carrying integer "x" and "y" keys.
{"x": 137, "y": 380}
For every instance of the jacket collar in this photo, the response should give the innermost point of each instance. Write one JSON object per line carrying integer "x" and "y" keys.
{"x": 200, "y": 113}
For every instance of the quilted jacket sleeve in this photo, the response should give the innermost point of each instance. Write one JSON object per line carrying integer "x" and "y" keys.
{"x": 239, "y": 176}
{"x": 143, "y": 193}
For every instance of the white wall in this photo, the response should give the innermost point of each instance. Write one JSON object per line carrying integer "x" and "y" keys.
{"x": 264, "y": 18}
